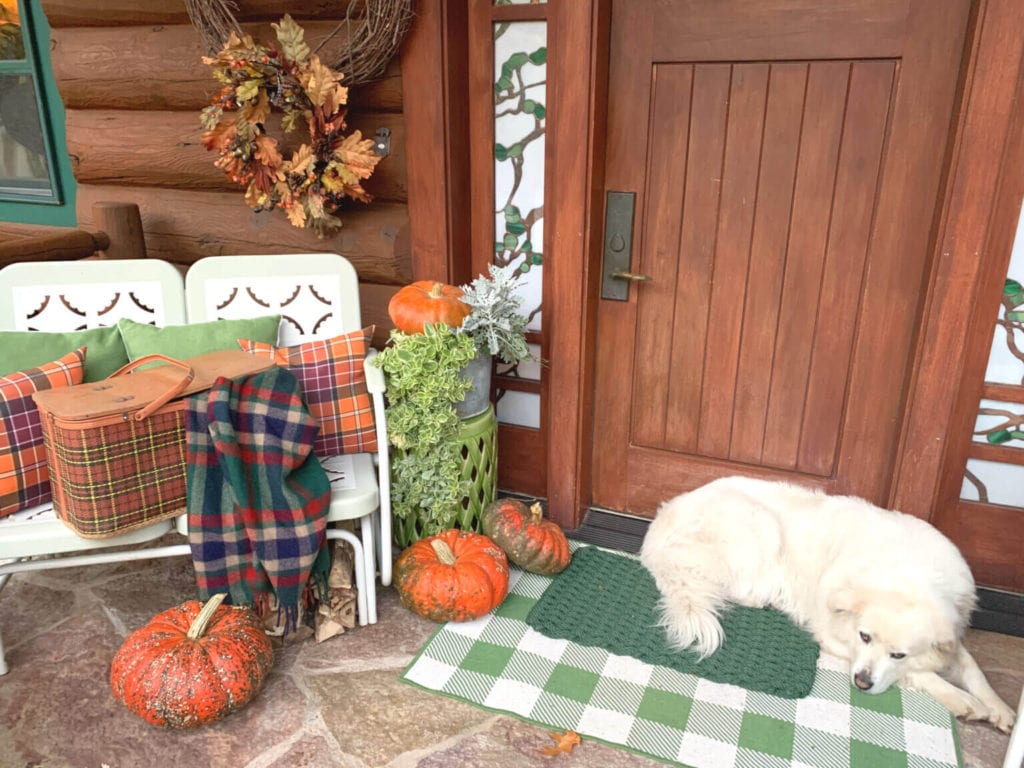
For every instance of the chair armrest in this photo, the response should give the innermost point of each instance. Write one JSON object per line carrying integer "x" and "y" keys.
{"x": 375, "y": 382}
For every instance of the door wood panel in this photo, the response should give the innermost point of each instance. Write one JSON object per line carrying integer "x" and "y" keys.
{"x": 786, "y": 160}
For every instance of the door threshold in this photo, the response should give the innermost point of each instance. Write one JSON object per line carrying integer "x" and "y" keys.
{"x": 997, "y": 611}
{"x": 612, "y": 530}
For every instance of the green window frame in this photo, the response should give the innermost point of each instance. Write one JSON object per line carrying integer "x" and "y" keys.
{"x": 51, "y": 201}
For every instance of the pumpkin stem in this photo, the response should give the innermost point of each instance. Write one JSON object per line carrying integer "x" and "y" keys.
{"x": 198, "y": 626}
{"x": 536, "y": 512}
{"x": 436, "y": 291}
{"x": 443, "y": 551}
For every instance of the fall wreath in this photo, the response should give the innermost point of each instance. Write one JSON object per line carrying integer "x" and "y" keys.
{"x": 310, "y": 185}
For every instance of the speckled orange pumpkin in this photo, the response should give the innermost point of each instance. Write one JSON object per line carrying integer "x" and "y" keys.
{"x": 531, "y": 542}
{"x": 453, "y": 576}
{"x": 427, "y": 301}
{"x": 192, "y": 664}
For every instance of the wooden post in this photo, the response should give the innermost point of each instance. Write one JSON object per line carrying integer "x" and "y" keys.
{"x": 123, "y": 225}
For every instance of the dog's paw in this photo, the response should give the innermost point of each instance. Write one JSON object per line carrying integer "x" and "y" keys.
{"x": 1002, "y": 717}
{"x": 970, "y": 708}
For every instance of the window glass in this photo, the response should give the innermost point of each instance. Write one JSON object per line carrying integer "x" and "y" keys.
{"x": 23, "y": 166}
{"x": 12, "y": 45}
{"x": 29, "y": 172}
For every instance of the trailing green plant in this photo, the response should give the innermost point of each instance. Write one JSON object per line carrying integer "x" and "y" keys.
{"x": 424, "y": 374}
{"x": 494, "y": 322}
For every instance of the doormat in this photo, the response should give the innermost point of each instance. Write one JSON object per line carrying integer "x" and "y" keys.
{"x": 608, "y": 600}
{"x": 501, "y": 664}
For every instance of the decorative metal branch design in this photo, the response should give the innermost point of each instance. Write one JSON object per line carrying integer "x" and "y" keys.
{"x": 1012, "y": 320}
{"x": 1009, "y": 429}
{"x": 974, "y": 480}
{"x": 510, "y": 98}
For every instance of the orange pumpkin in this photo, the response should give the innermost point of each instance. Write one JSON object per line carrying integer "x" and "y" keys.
{"x": 427, "y": 301}
{"x": 534, "y": 544}
{"x": 453, "y": 576}
{"x": 192, "y": 664}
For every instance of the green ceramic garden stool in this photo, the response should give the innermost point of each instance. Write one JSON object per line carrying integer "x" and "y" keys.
{"x": 478, "y": 441}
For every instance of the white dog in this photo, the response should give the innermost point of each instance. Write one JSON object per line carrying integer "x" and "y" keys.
{"x": 883, "y": 590}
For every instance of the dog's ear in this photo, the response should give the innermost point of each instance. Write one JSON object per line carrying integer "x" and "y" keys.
{"x": 844, "y": 600}
{"x": 946, "y": 640}
{"x": 946, "y": 646}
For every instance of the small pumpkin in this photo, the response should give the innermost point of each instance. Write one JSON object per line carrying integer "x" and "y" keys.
{"x": 453, "y": 576}
{"x": 427, "y": 301}
{"x": 192, "y": 664}
{"x": 531, "y": 542}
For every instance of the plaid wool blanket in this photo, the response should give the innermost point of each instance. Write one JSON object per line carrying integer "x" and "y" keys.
{"x": 257, "y": 496}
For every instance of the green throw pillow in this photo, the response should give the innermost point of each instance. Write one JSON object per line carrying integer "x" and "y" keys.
{"x": 181, "y": 341}
{"x": 104, "y": 354}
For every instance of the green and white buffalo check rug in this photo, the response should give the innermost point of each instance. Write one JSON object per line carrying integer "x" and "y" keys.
{"x": 501, "y": 664}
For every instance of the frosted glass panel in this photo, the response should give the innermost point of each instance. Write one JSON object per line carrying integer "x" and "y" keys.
{"x": 528, "y": 369}
{"x": 993, "y": 483}
{"x": 520, "y": 94}
{"x": 1006, "y": 362}
{"x": 1000, "y": 424}
{"x": 520, "y": 408}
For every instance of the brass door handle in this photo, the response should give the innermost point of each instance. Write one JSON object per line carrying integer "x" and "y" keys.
{"x": 630, "y": 276}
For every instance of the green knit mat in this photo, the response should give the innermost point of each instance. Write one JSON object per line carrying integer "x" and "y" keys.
{"x": 609, "y": 601}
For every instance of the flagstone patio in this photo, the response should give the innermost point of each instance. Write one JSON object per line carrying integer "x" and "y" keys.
{"x": 338, "y": 703}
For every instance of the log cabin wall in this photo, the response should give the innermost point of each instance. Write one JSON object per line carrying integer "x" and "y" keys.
{"x": 133, "y": 84}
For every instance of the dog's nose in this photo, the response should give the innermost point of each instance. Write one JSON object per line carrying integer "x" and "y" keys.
{"x": 863, "y": 680}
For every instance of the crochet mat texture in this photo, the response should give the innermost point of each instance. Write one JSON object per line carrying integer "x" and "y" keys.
{"x": 609, "y": 601}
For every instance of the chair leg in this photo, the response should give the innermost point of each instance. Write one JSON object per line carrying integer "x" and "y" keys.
{"x": 1015, "y": 749}
{"x": 369, "y": 550}
{"x": 360, "y": 569}
{"x": 4, "y": 669}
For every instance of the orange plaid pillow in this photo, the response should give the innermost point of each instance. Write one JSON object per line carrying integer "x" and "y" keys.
{"x": 330, "y": 373}
{"x": 24, "y": 473}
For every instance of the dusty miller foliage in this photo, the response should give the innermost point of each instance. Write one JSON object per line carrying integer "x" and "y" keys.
{"x": 495, "y": 324}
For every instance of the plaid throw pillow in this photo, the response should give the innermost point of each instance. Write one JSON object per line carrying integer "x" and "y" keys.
{"x": 330, "y": 373}
{"x": 24, "y": 474}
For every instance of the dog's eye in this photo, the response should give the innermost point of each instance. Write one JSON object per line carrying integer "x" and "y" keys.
{"x": 864, "y": 636}
{"x": 897, "y": 655}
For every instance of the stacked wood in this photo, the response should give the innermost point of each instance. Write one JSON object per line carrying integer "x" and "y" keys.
{"x": 146, "y": 148}
{"x": 133, "y": 83}
{"x": 160, "y": 67}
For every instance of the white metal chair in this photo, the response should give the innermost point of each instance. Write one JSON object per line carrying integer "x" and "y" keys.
{"x": 318, "y": 297}
{"x": 65, "y": 296}
{"x": 1015, "y": 749}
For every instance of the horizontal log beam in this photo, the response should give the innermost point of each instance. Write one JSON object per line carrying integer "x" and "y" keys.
{"x": 163, "y": 149}
{"x": 160, "y": 68}
{"x": 182, "y": 226}
{"x": 67, "y": 245}
{"x": 93, "y": 13}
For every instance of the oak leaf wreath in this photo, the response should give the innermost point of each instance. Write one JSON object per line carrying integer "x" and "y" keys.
{"x": 310, "y": 185}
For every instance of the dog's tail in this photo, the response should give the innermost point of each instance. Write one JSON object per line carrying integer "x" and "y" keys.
{"x": 691, "y": 620}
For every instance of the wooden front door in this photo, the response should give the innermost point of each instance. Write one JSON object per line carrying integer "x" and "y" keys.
{"x": 786, "y": 157}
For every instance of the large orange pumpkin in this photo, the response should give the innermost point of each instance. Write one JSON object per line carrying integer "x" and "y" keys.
{"x": 192, "y": 664}
{"x": 453, "y": 576}
{"x": 531, "y": 542}
{"x": 427, "y": 301}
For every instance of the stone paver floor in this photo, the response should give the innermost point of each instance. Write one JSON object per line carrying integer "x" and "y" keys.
{"x": 338, "y": 703}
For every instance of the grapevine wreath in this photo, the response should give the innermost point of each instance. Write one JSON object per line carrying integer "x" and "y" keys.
{"x": 310, "y": 185}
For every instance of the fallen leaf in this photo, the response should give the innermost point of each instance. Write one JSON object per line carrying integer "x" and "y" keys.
{"x": 564, "y": 742}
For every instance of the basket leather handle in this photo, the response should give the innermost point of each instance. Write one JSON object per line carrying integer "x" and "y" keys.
{"x": 188, "y": 375}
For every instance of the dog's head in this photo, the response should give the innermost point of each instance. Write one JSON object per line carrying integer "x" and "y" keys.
{"x": 889, "y": 633}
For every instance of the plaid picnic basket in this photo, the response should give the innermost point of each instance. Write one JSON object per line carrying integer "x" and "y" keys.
{"x": 116, "y": 447}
